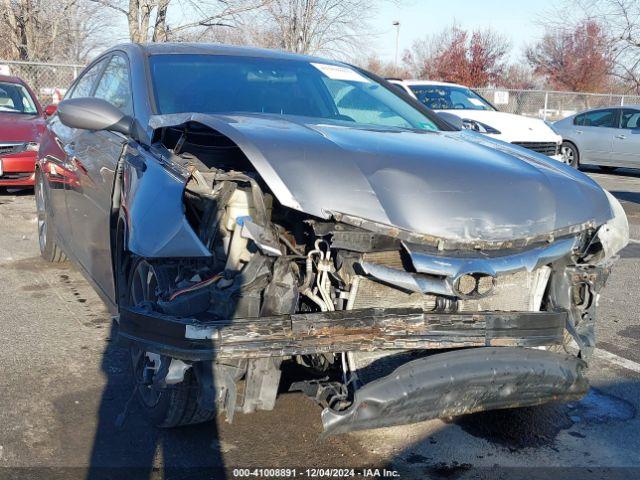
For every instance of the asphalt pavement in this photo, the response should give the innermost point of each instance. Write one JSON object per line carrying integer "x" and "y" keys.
{"x": 63, "y": 383}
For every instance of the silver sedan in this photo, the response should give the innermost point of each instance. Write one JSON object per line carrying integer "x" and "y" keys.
{"x": 607, "y": 137}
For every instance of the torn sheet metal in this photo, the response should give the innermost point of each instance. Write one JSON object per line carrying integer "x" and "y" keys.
{"x": 461, "y": 382}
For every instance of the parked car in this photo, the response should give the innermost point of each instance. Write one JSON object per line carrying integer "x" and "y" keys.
{"x": 21, "y": 124}
{"x": 467, "y": 108}
{"x": 607, "y": 137}
{"x": 239, "y": 209}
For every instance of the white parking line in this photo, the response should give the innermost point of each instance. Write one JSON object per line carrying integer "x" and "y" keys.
{"x": 617, "y": 360}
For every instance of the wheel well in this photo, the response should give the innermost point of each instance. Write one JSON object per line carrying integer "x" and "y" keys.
{"x": 121, "y": 260}
{"x": 575, "y": 147}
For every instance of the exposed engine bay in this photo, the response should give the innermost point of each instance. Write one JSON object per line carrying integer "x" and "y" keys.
{"x": 374, "y": 316}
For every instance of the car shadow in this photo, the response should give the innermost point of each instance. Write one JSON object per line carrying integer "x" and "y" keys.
{"x": 556, "y": 440}
{"x": 633, "y": 197}
{"x": 618, "y": 172}
{"x": 137, "y": 449}
{"x": 6, "y": 192}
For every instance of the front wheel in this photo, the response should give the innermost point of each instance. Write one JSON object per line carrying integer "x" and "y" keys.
{"x": 570, "y": 154}
{"x": 49, "y": 249}
{"x": 174, "y": 405}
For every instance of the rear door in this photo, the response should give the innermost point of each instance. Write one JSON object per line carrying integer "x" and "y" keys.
{"x": 96, "y": 156}
{"x": 626, "y": 141}
{"x": 594, "y": 132}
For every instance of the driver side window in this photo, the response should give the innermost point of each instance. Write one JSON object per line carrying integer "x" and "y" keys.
{"x": 85, "y": 85}
{"x": 114, "y": 86}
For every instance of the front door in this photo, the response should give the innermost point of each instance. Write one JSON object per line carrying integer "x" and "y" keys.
{"x": 94, "y": 159}
{"x": 594, "y": 132}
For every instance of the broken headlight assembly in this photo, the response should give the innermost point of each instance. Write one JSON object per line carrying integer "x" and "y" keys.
{"x": 610, "y": 238}
{"x": 614, "y": 235}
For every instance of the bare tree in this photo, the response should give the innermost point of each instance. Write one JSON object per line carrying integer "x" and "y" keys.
{"x": 620, "y": 19}
{"x": 373, "y": 63}
{"x": 46, "y": 30}
{"x": 149, "y": 20}
{"x": 520, "y": 77}
{"x": 622, "y": 22}
{"x": 471, "y": 58}
{"x": 579, "y": 60}
{"x": 337, "y": 28}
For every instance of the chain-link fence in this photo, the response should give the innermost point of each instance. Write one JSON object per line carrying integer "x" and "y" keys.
{"x": 550, "y": 105}
{"x": 49, "y": 81}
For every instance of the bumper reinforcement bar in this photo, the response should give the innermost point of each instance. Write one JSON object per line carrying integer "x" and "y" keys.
{"x": 353, "y": 330}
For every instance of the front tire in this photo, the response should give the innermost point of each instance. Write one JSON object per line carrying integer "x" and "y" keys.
{"x": 570, "y": 152}
{"x": 49, "y": 249}
{"x": 171, "y": 406}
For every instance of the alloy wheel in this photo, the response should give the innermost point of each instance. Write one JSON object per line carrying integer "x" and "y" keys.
{"x": 142, "y": 290}
{"x": 569, "y": 155}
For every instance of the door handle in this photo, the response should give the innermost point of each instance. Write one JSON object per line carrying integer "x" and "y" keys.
{"x": 621, "y": 137}
{"x": 579, "y": 132}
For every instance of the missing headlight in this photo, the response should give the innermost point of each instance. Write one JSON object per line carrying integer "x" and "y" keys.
{"x": 471, "y": 285}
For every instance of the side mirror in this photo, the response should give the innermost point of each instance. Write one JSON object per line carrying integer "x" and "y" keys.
{"x": 93, "y": 114}
{"x": 50, "y": 110}
{"x": 451, "y": 119}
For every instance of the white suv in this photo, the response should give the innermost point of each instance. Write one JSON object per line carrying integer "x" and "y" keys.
{"x": 457, "y": 103}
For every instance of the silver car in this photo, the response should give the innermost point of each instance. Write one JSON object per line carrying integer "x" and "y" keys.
{"x": 607, "y": 137}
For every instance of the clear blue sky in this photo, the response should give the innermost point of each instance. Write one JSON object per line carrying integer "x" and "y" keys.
{"x": 418, "y": 18}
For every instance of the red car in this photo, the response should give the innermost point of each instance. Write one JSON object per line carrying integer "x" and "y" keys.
{"x": 21, "y": 124}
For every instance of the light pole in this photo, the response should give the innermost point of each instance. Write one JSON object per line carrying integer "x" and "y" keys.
{"x": 396, "y": 24}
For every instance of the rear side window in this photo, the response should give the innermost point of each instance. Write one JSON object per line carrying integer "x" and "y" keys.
{"x": 630, "y": 119}
{"x": 114, "y": 86}
{"x": 597, "y": 118}
{"x": 85, "y": 85}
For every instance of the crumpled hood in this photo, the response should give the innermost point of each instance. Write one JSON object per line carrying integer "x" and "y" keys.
{"x": 513, "y": 128}
{"x": 16, "y": 127}
{"x": 453, "y": 185}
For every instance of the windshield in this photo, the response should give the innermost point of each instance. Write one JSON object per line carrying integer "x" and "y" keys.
{"x": 325, "y": 92}
{"x": 15, "y": 98}
{"x": 448, "y": 97}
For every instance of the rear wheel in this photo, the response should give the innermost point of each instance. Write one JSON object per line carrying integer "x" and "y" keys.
{"x": 570, "y": 154}
{"x": 170, "y": 406}
{"x": 49, "y": 249}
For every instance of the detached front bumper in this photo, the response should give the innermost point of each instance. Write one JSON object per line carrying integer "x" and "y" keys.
{"x": 461, "y": 382}
{"x": 18, "y": 169}
{"x": 354, "y": 330}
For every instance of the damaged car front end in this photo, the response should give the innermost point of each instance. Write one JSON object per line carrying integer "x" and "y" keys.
{"x": 410, "y": 273}
{"x": 367, "y": 305}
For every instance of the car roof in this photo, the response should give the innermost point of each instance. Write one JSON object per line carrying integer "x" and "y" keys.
{"x": 186, "y": 48}
{"x": 11, "y": 79}
{"x": 607, "y": 107}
